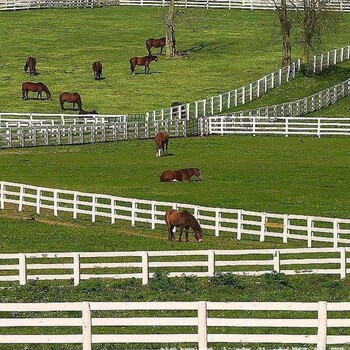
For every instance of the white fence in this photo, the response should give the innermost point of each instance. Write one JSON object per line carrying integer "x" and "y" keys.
{"x": 42, "y": 133}
{"x": 331, "y": 58}
{"x": 236, "y": 222}
{"x": 23, "y": 267}
{"x": 12, "y": 5}
{"x": 198, "y": 323}
{"x": 237, "y": 97}
{"x": 227, "y": 125}
{"x": 302, "y": 106}
{"x": 335, "y": 5}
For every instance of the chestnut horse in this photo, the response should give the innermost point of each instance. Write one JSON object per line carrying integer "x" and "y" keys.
{"x": 180, "y": 175}
{"x": 142, "y": 61}
{"x": 71, "y": 97}
{"x": 184, "y": 220}
{"x": 97, "y": 69}
{"x": 35, "y": 87}
{"x": 30, "y": 64}
{"x": 151, "y": 42}
{"x": 162, "y": 139}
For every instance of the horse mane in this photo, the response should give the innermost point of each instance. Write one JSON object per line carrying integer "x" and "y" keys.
{"x": 193, "y": 222}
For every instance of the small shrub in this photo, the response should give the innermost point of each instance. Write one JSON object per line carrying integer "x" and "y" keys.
{"x": 276, "y": 280}
{"x": 225, "y": 279}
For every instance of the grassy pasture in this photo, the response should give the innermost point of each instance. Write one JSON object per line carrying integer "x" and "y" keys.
{"x": 224, "y": 50}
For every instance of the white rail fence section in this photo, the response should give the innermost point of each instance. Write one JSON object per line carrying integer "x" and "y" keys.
{"x": 331, "y": 58}
{"x": 301, "y": 106}
{"x": 24, "y": 267}
{"x": 237, "y": 97}
{"x": 198, "y": 323}
{"x": 12, "y": 5}
{"x": 39, "y": 133}
{"x": 236, "y": 222}
{"x": 227, "y": 125}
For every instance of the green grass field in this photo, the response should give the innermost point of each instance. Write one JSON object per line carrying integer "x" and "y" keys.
{"x": 225, "y": 50}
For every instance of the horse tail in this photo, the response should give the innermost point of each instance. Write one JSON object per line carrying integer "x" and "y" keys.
{"x": 23, "y": 91}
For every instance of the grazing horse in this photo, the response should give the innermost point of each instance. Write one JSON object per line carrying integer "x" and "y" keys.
{"x": 30, "y": 64}
{"x": 162, "y": 139}
{"x": 35, "y": 87}
{"x": 71, "y": 97}
{"x": 181, "y": 175}
{"x": 97, "y": 69}
{"x": 184, "y": 220}
{"x": 83, "y": 112}
{"x": 142, "y": 61}
{"x": 151, "y": 42}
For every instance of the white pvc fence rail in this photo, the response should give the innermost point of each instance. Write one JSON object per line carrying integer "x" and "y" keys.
{"x": 236, "y": 222}
{"x": 23, "y": 267}
{"x": 12, "y": 5}
{"x": 237, "y": 97}
{"x": 335, "y": 5}
{"x": 227, "y": 125}
{"x": 42, "y": 133}
{"x": 199, "y": 323}
{"x": 302, "y": 106}
{"x": 331, "y": 58}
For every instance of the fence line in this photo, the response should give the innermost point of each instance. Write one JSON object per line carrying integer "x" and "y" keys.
{"x": 302, "y": 106}
{"x": 12, "y": 5}
{"x": 89, "y": 323}
{"x": 240, "y": 96}
{"x": 228, "y": 125}
{"x": 88, "y": 132}
{"x": 331, "y": 58}
{"x": 77, "y": 266}
{"x": 237, "y": 222}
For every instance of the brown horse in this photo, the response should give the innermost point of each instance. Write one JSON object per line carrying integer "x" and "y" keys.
{"x": 184, "y": 220}
{"x": 35, "y": 87}
{"x": 181, "y": 175}
{"x": 71, "y": 97}
{"x": 162, "y": 139}
{"x": 97, "y": 69}
{"x": 31, "y": 65}
{"x": 142, "y": 61}
{"x": 151, "y": 42}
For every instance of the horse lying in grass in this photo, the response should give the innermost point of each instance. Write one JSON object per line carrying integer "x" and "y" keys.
{"x": 184, "y": 220}
{"x": 181, "y": 175}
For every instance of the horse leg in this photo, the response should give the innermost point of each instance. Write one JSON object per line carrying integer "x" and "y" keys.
{"x": 186, "y": 231}
{"x": 61, "y": 103}
{"x": 161, "y": 50}
{"x": 181, "y": 231}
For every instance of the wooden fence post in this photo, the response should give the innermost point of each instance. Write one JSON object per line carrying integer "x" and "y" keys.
{"x": 211, "y": 263}
{"x": 86, "y": 323}
{"x": 322, "y": 326}
{"x": 276, "y": 261}
{"x": 262, "y": 227}
{"x": 145, "y": 268}
{"x": 342, "y": 263}
{"x": 22, "y": 269}
{"x": 239, "y": 224}
{"x": 76, "y": 269}
{"x": 335, "y": 232}
{"x": 202, "y": 326}
{"x": 309, "y": 232}
{"x": 2, "y": 196}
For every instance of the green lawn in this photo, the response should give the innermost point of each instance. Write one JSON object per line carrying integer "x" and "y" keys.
{"x": 225, "y": 50}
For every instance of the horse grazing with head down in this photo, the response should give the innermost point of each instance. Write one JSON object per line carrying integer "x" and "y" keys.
{"x": 71, "y": 97}
{"x": 162, "y": 139}
{"x": 142, "y": 61}
{"x": 31, "y": 65}
{"x": 35, "y": 87}
{"x": 181, "y": 175}
{"x": 97, "y": 69}
{"x": 151, "y": 42}
{"x": 184, "y": 220}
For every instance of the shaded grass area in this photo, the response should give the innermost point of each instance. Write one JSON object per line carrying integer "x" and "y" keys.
{"x": 295, "y": 175}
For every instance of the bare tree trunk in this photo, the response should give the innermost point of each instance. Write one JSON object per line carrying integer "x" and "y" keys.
{"x": 170, "y": 33}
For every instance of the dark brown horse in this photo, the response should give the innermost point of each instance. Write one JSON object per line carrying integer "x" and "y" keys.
{"x": 161, "y": 139}
{"x": 97, "y": 69}
{"x": 30, "y": 65}
{"x": 181, "y": 175}
{"x": 35, "y": 87}
{"x": 71, "y": 97}
{"x": 184, "y": 220}
{"x": 142, "y": 61}
{"x": 151, "y": 42}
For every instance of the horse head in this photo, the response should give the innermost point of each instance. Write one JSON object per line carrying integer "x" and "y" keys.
{"x": 154, "y": 58}
{"x": 199, "y": 235}
{"x": 197, "y": 173}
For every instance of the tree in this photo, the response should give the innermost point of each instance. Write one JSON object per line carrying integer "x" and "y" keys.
{"x": 286, "y": 27}
{"x": 170, "y": 48}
